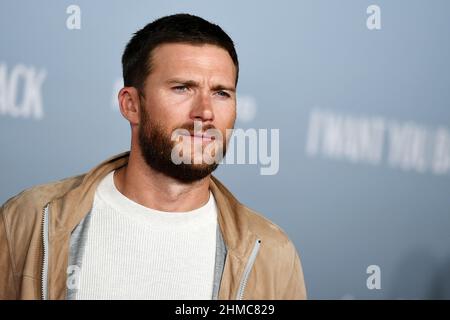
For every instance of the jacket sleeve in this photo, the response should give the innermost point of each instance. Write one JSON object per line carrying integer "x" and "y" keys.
{"x": 295, "y": 288}
{"x": 7, "y": 284}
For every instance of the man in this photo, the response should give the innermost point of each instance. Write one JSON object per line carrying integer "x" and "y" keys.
{"x": 151, "y": 223}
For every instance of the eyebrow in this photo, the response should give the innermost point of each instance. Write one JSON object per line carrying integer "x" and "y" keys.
{"x": 192, "y": 83}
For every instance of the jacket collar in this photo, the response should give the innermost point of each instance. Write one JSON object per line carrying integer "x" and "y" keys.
{"x": 67, "y": 211}
{"x": 75, "y": 204}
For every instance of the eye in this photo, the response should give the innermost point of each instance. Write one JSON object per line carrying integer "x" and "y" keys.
{"x": 223, "y": 94}
{"x": 180, "y": 88}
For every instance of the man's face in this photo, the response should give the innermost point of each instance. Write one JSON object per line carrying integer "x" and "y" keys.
{"x": 187, "y": 85}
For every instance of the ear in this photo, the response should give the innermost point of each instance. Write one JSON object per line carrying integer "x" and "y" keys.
{"x": 129, "y": 104}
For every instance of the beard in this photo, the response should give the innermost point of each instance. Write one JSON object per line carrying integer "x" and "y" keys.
{"x": 156, "y": 148}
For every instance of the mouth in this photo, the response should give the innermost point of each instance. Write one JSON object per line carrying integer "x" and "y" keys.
{"x": 200, "y": 136}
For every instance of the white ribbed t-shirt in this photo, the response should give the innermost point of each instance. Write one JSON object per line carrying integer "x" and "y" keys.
{"x": 134, "y": 252}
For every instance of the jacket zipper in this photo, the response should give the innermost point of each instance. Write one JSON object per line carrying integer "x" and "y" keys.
{"x": 44, "y": 274}
{"x": 248, "y": 268}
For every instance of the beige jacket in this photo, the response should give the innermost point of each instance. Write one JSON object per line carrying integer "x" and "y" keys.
{"x": 275, "y": 273}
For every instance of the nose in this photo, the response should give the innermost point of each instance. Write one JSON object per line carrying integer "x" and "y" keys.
{"x": 202, "y": 108}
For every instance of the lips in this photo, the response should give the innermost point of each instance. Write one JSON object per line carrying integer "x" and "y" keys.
{"x": 202, "y": 136}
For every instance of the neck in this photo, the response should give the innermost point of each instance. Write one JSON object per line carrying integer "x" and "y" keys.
{"x": 152, "y": 189}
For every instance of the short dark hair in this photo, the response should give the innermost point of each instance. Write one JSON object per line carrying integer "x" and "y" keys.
{"x": 176, "y": 28}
